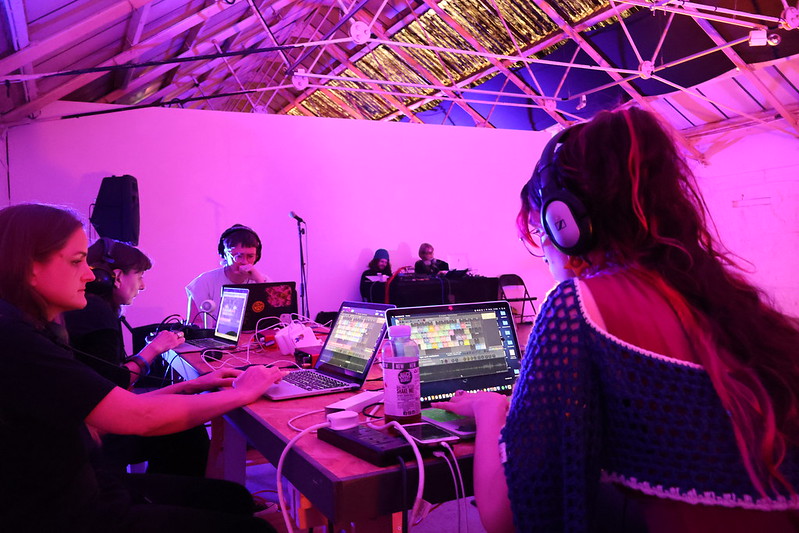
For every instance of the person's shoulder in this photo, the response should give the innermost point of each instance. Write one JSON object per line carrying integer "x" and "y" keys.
{"x": 98, "y": 314}
{"x": 12, "y": 320}
{"x": 207, "y": 276}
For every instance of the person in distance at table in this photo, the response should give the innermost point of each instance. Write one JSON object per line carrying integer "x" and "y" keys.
{"x": 653, "y": 364}
{"x": 379, "y": 265}
{"x": 427, "y": 264}
{"x": 239, "y": 249}
{"x": 49, "y": 401}
{"x": 96, "y": 334}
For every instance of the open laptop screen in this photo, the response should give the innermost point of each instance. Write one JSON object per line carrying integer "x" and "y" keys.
{"x": 231, "y": 313}
{"x": 353, "y": 339}
{"x": 470, "y": 347}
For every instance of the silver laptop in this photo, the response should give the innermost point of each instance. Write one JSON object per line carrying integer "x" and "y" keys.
{"x": 229, "y": 323}
{"x": 346, "y": 356}
{"x": 467, "y": 346}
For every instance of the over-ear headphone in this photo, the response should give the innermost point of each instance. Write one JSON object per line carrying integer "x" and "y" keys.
{"x": 564, "y": 217}
{"x": 231, "y": 230}
{"x": 104, "y": 277}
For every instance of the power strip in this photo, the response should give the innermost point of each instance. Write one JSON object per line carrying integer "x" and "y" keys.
{"x": 356, "y": 403}
{"x": 378, "y": 447}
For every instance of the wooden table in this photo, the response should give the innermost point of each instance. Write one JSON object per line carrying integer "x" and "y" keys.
{"x": 344, "y": 488}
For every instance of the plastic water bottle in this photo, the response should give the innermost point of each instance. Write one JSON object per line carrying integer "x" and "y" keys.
{"x": 401, "y": 377}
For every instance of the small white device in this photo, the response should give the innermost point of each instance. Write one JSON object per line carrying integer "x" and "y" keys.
{"x": 427, "y": 434}
{"x": 295, "y": 336}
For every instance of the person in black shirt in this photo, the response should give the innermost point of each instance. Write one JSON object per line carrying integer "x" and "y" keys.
{"x": 378, "y": 266}
{"x": 427, "y": 264}
{"x": 53, "y": 406}
{"x": 96, "y": 334}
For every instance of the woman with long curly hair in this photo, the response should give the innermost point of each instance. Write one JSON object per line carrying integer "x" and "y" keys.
{"x": 653, "y": 364}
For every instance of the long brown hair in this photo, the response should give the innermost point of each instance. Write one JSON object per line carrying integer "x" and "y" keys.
{"x": 28, "y": 233}
{"x": 646, "y": 211}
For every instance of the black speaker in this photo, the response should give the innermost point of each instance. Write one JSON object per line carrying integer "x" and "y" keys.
{"x": 116, "y": 210}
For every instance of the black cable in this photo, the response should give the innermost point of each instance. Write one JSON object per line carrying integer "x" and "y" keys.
{"x": 125, "y": 322}
{"x": 166, "y": 320}
{"x": 201, "y": 313}
{"x": 364, "y": 413}
{"x": 109, "y": 363}
{"x": 404, "y": 495}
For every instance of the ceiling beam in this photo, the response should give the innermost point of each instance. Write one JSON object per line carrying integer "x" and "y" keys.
{"x": 80, "y": 30}
{"x": 187, "y": 70}
{"x": 14, "y": 13}
{"x": 392, "y": 100}
{"x": 543, "y": 44}
{"x": 750, "y": 74}
{"x": 127, "y": 56}
{"x": 508, "y": 73}
{"x": 479, "y": 120}
{"x": 344, "y": 61}
{"x": 132, "y": 37}
{"x": 615, "y": 76}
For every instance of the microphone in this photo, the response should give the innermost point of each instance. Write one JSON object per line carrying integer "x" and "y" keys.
{"x": 295, "y": 216}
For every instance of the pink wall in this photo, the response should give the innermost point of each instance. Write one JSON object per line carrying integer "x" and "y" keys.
{"x": 359, "y": 185}
{"x": 751, "y": 186}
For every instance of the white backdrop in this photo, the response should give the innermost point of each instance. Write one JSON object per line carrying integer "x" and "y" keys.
{"x": 360, "y": 186}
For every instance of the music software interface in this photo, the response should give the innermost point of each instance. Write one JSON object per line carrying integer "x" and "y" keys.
{"x": 458, "y": 346}
{"x": 231, "y": 313}
{"x": 354, "y": 338}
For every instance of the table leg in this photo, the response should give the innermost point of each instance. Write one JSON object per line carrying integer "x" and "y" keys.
{"x": 227, "y": 456}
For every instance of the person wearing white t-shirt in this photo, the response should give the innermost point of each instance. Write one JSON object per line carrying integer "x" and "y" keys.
{"x": 240, "y": 249}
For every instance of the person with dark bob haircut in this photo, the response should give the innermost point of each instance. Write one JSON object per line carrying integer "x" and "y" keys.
{"x": 52, "y": 407}
{"x": 653, "y": 365}
{"x": 95, "y": 333}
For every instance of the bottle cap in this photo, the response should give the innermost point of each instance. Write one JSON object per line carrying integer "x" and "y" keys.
{"x": 400, "y": 330}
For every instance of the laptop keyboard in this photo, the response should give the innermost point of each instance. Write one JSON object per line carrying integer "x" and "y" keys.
{"x": 310, "y": 380}
{"x": 209, "y": 342}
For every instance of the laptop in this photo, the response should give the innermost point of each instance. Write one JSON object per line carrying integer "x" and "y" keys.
{"x": 345, "y": 358}
{"x": 229, "y": 323}
{"x": 468, "y": 346}
{"x": 268, "y": 301}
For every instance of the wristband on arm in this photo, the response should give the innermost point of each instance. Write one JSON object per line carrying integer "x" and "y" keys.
{"x": 141, "y": 362}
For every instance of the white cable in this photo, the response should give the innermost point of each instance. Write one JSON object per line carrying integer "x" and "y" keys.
{"x": 415, "y": 510}
{"x": 460, "y": 480}
{"x": 280, "y": 497}
{"x": 458, "y": 494}
{"x": 292, "y": 426}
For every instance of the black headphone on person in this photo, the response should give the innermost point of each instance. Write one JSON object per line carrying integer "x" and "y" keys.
{"x": 239, "y": 227}
{"x": 564, "y": 217}
{"x": 104, "y": 277}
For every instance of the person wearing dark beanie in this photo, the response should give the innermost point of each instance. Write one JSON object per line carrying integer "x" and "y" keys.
{"x": 378, "y": 266}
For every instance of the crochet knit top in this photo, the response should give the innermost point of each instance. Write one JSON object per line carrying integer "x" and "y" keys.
{"x": 587, "y": 406}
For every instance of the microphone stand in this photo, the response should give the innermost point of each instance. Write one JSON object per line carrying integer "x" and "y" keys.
{"x": 304, "y": 311}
